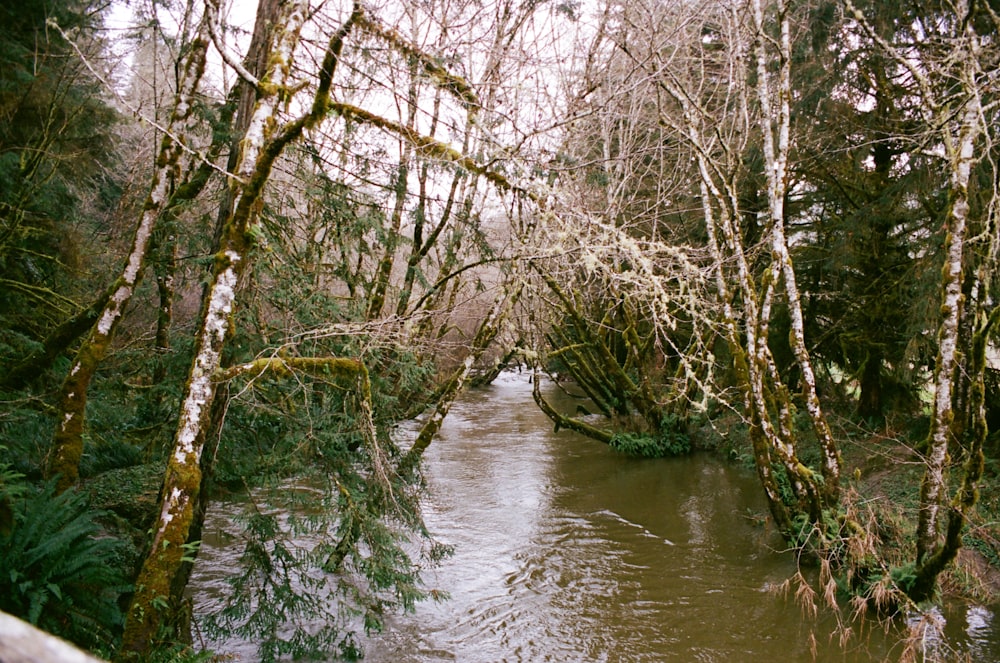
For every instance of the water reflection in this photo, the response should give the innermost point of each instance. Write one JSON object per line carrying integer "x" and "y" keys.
{"x": 566, "y": 551}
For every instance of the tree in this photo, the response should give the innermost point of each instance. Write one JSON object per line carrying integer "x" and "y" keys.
{"x": 721, "y": 85}
{"x": 57, "y": 180}
{"x": 68, "y": 440}
{"x": 861, "y": 215}
{"x": 955, "y": 97}
{"x": 279, "y": 119}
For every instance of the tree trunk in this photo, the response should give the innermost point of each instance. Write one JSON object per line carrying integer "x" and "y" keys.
{"x": 870, "y": 386}
{"x": 933, "y": 486}
{"x": 64, "y": 459}
{"x": 776, "y": 133}
{"x": 261, "y": 146}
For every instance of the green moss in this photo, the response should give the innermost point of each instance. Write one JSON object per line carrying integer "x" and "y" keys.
{"x": 131, "y": 493}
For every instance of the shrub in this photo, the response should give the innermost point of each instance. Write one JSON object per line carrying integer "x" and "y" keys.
{"x": 56, "y": 572}
{"x": 672, "y": 440}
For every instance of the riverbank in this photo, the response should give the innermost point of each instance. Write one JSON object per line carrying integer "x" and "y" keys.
{"x": 881, "y": 475}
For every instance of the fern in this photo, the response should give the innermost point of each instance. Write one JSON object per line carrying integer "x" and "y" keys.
{"x": 56, "y": 572}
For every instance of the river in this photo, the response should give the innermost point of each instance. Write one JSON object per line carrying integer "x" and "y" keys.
{"x": 567, "y": 551}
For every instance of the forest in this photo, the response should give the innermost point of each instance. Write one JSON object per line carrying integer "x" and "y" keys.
{"x": 241, "y": 242}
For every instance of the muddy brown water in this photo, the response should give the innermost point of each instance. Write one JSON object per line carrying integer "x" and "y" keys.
{"x": 567, "y": 551}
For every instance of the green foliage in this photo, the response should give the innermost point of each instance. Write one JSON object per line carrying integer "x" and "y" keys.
{"x": 181, "y": 654}
{"x": 57, "y": 169}
{"x": 112, "y": 455}
{"x": 672, "y": 440}
{"x": 904, "y": 577}
{"x": 57, "y": 572}
{"x": 294, "y": 601}
{"x": 867, "y": 229}
{"x": 330, "y": 548}
{"x": 275, "y": 601}
{"x": 25, "y": 432}
{"x": 784, "y": 485}
{"x": 983, "y": 547}
{"x": 824, "y": 537}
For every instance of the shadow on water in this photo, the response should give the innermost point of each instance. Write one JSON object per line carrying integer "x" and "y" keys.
{"x": 567, "y": 551}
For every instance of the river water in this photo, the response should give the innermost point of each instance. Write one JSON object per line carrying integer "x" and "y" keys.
{"x": 567, "y": 551}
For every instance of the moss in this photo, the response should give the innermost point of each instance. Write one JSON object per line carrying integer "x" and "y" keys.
{"x": 153, "y": 605}
{"x": 337, "y": 368}
{"x": 425, "y": 145}
{"x": 131, "y": 493}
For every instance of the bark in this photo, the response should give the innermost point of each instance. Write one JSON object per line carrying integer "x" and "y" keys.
{"x": 20, "y": 642}
{"x": 262, "y": 144}
{"x": 776, "y": 134}
{"x": 746, "y": 305}
{"x": 165, "y": 264}
{"x": 562, "y": 421}
{"x": 933, "y": 486}
{"x": 64, "y": 459}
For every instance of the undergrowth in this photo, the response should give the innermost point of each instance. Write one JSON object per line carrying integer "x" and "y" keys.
{"x": 59, "y": 571}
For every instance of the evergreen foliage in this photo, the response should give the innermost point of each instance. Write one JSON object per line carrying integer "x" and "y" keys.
{"x": 329, "y": 550}
{"x": 867, "y": 220}
{"x": 56, "y": 146}
{"x": 670, "y": 440}
{"x": 334, "y": 539}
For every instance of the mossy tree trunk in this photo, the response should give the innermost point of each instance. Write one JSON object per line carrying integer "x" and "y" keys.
{"x": 774, "y": 97}
{"x": 748, "y": 286}
{"x": 605, "y": 356}
{"x": 942, "y": 413}
{"x": 67, "y": 447}
{"x": 954, "y": 93}
{"x": 164, "y": 241}
{"x": 262, "y": 143}
{"x": 936, "y": 548}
